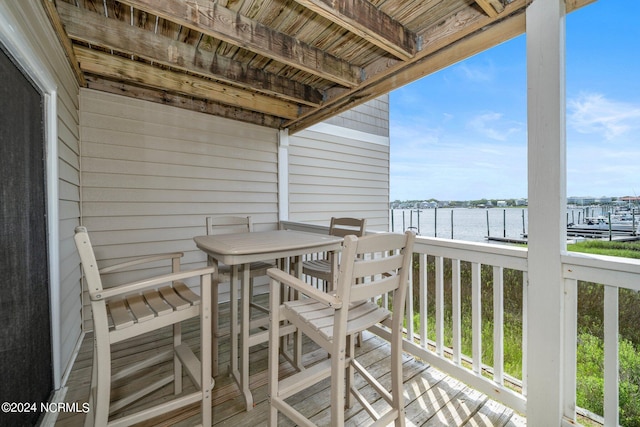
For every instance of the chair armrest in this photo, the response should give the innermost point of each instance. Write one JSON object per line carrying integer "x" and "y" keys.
{"x": 148, "y": 283}
{"x": 140, "y": 260}
{"x": 304, "y": 287}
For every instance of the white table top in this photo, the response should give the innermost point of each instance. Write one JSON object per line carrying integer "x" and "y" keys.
{"x": 241, "y": 248}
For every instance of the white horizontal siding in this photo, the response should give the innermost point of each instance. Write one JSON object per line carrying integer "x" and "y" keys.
{"x": 372, "y": 117}
{"x": 152, "y": 173}
{"x": 337, "y": 171}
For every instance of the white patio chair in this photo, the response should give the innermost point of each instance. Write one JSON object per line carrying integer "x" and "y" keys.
{"x": 370, "y": 266}
{"x": 129, "y": 310}
{"x": 321, "y": 268}
{"x": 224, "y": 225}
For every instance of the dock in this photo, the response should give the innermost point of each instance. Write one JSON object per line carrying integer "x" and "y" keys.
{"x": 573, "y": 233}
{"x": 514, "y": 240}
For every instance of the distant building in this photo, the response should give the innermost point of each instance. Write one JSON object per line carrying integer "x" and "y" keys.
{"x": 428, "y": 205}
{"x": 581, "y": 201}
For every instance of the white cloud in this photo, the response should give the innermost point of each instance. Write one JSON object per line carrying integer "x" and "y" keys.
{"x": 436, "y": 162}
{"x": 592, "y": 113}
{"x": 493, "y": 126}
{"x": 476, "y": 72}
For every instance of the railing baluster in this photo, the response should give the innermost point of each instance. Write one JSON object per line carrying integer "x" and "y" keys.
{"x": 409, "y": 306}
{"x": 423, "y": 301}
{"x": 570, "y": 347}
{"x": 498, "y": 325}
{"x": 439, "y": 306}
{"x": 476, "y": 316}
{"x": 611, "y": 362}
{"x": 456, "y": 310}
{"x": 525, "y": 308}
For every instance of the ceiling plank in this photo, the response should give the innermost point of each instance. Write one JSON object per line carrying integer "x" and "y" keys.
{"x": 365, "y": 20}
{"x": 491, "y": 7}
{"x": 226, "y": 25}
{"x": 116, "y": 67}
{"x": 95, "y": 29}
{"x": 182, "y": 101}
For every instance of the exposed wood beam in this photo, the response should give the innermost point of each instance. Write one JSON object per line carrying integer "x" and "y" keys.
{"x": 491, "y": 7}
{"x": 96, "y": 29}
{"x": 56, "y": 23}
{"x": 451, "y": 42}
{"x": 461, "y": 36}
{"x": 182, "y": 101}
{"x": 364, "y": 19}
{"x": 119, "y": 68}
{"x": 224, "y": 24}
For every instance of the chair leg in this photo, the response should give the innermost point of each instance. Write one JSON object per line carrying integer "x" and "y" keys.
{"x": 103, "y": 385}
{"x": 274, "y": 350}
{"x": 338, "y": 370}
{"x": 177, "y": 365}
{"x": 350, "y": 372}
{"x": 89, "y": 420}
{"x": 215, "y": 313}
{"x": 396, "y": 377}
{"x": 206, "y": 382}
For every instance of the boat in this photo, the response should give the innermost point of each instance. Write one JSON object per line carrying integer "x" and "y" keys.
{"x": 616, "y": 224}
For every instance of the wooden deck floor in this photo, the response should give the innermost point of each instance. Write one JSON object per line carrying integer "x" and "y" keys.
{"x": 431, "y": 397}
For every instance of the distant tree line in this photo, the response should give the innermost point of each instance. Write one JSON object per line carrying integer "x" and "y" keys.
{"x": 435, "y": 203}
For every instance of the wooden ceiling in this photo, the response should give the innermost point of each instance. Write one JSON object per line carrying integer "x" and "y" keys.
{"x": 277, "y": 63}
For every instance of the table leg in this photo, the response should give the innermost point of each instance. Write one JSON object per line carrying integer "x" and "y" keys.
{"x": 334, "y": 271}
{"x": 245, "y": 301}
{"x": 233, "y": 326}
{"x": 215, "y": 314}
{"x": 297, "y": 344}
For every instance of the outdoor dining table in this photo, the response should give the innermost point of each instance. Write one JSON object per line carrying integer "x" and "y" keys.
{"x": 238, "y": 250}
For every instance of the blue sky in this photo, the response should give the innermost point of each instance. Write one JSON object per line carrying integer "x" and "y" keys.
{"x": 461, "y": 134}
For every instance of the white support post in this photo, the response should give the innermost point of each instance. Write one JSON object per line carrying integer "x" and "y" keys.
{"x": 283, "y": 175}
{"x": 545, "y": 22}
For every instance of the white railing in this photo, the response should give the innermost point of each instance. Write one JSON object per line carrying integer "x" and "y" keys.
{"x": 490, "y": 378}
{"x": 613, "y": 274}
{"x": 451, "y": 358}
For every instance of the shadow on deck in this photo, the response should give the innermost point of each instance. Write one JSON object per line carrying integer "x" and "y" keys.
{"x": 431, "y": 397}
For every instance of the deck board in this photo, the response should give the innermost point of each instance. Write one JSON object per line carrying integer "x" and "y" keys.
{"x": 431, "y": 397}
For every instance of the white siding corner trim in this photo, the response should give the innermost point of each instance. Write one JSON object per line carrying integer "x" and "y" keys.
{"x": 283, "y": 175}
{"x": 330, "y": 129}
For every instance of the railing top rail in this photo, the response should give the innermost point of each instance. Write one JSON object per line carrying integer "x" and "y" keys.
{"x": 605, "y": 270}
{"x": 484, "y": 253}
{"x": 301, "y": 226}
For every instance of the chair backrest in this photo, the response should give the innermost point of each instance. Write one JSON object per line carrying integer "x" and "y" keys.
{"x": 344, "y": 226}
{"x": 229, "y": 224}
{"x": 374, "y": 265}
{"x": 88, "y": 259}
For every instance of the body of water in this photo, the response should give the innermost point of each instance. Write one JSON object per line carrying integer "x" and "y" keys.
{"x": 471, "y": 224}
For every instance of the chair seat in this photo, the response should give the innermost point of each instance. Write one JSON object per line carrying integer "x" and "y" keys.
{"x": 320, "y": 268}
{"x": 320, "y": 318}
{"x": 139, "y": 308}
